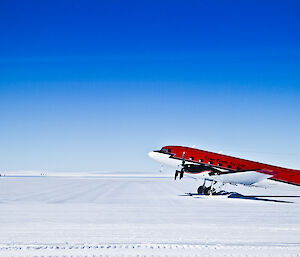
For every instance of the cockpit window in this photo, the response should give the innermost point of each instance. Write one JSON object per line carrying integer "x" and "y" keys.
{"x": 164, "y": 150}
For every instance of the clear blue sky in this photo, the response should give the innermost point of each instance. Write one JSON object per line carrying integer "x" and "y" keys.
{"x": 95, "y": 85}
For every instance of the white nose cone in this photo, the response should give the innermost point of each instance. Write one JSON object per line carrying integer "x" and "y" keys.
{"x": 164, "y": 159}
{"x": 156, "y": 156}
{"x": 151, "y": 155}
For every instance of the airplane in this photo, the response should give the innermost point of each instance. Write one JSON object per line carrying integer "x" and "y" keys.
{"x": 216, "y": 168}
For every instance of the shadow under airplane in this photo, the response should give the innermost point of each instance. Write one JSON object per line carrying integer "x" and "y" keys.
{"x": 235, "y": 195}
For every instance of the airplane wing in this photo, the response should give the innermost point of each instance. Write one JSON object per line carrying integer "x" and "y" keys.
{"x": 223, "y": 175}
{"x": 247, "y": 177}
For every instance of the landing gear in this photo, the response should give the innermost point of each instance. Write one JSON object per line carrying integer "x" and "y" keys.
{"x": 203, "y": 190}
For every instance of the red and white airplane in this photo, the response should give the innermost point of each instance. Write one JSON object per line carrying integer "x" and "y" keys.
{"x": 219, "y": 168}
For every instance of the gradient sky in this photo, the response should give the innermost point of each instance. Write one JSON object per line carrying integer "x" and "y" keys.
{"x": 95, "y": 85}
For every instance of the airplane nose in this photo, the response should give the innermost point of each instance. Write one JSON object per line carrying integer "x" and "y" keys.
{"x": 151, "y": 155}
{"x": 155, "y": 156}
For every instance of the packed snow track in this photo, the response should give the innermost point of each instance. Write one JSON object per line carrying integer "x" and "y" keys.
{"x": 141, "y": 215}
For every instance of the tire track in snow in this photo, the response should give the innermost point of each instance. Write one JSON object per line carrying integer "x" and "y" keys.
{"x": 149, "y": 250}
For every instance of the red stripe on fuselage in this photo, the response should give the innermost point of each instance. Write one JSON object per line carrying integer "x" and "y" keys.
{"x": 234, "y": 163}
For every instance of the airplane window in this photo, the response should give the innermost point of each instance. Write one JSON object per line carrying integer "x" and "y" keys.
{"x": 192, "y": 158}
{"x": 200, "y": 160}
{"x": 220, "y": 164}
{"x": 210, "y": 162}
{"x": 239, "y": 168}
{"x": 229, "y": 166}
{"x": 169, "y": 150}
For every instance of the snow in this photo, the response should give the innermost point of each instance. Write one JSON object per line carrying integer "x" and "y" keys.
{"x": 142, "y": 214}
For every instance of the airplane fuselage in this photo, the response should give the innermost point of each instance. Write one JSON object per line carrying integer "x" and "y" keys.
{"x": 197, "y": 162}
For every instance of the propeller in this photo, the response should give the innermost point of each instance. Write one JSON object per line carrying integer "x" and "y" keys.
{"x": 183, "y": 160}
{"x": 180, "y": 173}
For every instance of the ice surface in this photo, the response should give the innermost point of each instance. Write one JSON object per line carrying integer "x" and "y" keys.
{"x": 129, "y": 214}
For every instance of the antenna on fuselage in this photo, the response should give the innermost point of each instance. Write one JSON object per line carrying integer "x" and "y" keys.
{"x": 161, "y": 168}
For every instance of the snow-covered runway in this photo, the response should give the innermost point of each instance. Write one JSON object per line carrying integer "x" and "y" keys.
{"x": 134, "y": 215}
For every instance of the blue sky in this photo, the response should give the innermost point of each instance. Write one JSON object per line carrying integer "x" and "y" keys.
{"x": 95, "y": 85}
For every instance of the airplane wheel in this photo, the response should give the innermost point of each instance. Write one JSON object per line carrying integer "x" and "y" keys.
{"x": 204, "y": 190}
{"x": 207, "y": 190}
{"x": 200, "y": 190}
